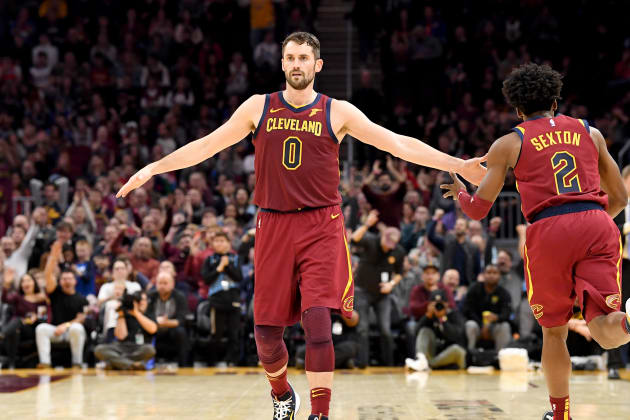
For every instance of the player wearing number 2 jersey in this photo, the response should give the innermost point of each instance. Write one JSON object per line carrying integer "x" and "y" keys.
{"x": 302, "y": 268}
{"x": 570, "y": 187}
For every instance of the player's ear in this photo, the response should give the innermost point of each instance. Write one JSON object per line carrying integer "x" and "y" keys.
{"x": 319, "y": 63}
{"x": 282, "y": 64}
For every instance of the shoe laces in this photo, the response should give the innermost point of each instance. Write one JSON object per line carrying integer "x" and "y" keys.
{"x": 282, "y": 409}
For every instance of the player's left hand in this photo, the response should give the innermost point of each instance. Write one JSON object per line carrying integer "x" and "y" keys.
{"x": 454, "y": 188}
{"x": 473, "y": 170}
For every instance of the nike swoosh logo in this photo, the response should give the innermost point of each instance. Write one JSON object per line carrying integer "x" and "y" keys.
{"x": 334, "y": 216}
{"x": 272, "y": 111}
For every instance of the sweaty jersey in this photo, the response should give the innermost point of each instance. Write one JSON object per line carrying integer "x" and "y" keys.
{"x": 558, "y": 164}
{"x": 296, "y": 155}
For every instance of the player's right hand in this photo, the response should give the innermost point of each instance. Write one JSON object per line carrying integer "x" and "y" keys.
{"x": 136, "y": 181}
{"x": 473, "y": 170}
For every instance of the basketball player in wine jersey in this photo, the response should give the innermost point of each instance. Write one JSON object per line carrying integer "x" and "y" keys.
{"x": 570, "y": 190}
{"x": 302, "y": 265}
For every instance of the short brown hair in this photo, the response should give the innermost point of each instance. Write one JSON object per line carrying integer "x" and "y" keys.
{"x": 301, "y": 38}
{"x": 626, "y": 172}
{"x": 221, "y": 234}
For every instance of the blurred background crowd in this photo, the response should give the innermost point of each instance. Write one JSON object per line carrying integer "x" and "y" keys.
{"x": 93, "y": 91}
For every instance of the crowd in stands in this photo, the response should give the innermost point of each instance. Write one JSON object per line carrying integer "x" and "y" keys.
{"x": 93, "y": 91}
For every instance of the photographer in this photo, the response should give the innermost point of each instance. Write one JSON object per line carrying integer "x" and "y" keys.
{"x": 110, "y": 293}
{"x": 440, "y": 340}
{"x": 134, "y": 331}
{"x": 222, "y": 272}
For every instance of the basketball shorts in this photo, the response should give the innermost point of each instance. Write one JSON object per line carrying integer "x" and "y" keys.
{"x": 301, "y": 260}
{"x": 569, "y": 256}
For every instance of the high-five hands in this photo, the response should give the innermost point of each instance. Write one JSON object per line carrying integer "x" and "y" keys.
{"x": 454, "y": 188}
{"x": 473, "y": 170}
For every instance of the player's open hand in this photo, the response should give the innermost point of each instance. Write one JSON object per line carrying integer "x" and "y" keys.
{"x": 454, "y": 188}
{"x": 473, "y": 170}
{"x": 136, "y": 181}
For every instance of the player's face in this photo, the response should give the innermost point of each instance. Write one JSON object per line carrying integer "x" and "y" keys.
{"x": 299, "y": 65}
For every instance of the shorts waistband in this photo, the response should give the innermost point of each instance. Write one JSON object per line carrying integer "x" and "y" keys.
{"x": 566, "y": 208}
{"x": 300, "y": 210}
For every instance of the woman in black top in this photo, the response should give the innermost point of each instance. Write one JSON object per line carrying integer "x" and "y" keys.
{"x": 28, "y": 306}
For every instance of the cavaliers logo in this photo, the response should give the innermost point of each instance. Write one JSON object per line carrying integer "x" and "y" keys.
{"x": 613, "y": 301}
{"x": 537, "y": 310}
{"x": 348, "y": 304}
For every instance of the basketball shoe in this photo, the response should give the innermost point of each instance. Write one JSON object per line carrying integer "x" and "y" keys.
{"x": 549, "y": 416}
{"x": 317, "y": 417}
{"x": 286, "y": 406}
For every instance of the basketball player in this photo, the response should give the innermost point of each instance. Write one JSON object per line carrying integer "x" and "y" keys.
{"x": 302, "y": 261}
{"x": 570, "y": 189}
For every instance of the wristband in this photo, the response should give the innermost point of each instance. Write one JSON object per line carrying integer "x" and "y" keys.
{"x": 474, "y": 207}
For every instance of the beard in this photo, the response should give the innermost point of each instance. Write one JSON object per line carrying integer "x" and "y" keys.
{"x": 302, "y": 83}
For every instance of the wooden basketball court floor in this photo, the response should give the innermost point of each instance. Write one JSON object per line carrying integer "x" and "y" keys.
{"x": 243, "y": 393}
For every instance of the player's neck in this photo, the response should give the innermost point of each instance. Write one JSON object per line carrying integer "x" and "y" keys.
{"x": 539, "y": 114}
{"x": 299, "y": 98}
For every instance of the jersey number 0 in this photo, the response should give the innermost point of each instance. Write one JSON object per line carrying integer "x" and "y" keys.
{"x": 292, "y": 153}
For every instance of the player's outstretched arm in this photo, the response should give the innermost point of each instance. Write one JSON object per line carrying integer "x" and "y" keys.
{"x": 355, "y": 123}
{"x": 499, "y": 157}
{"x": 234, "y": 130}
{"x": 609, "y": 176}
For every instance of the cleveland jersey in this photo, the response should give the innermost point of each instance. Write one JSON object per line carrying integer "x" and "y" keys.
{"x": 558, "y": 164}
{"x": 296, "y": 155}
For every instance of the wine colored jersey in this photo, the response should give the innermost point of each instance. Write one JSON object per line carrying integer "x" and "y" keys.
{"x": 558, "y": 164}
{"x": 296, "y": 155}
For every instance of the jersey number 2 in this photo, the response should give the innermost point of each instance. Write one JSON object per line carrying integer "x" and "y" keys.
{"x": 292, "y": 153}
{"x": 567, "y": 180}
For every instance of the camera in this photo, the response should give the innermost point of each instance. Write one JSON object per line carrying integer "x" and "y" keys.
{"x": 439, "y": 306}
{"x": 127, "y": 300}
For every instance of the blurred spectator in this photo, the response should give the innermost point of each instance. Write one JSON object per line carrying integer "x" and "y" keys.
{"x": 170, "y": 309}
{"x": 142, "y": 258}
{"x": 267, "y": 53}
{"x": 510, "y": 280}
{"x": 487, "y": 310}
{"x": 68, "y": 312}
{"x": 457, "y": 250}
{"x": 261, "y": 19}
{"x": 222, "y": 272}
{"x": 18, "y": 248}
{"x": 379, "y": 271}
{"x": 28, "y": 307}
{"x": 387, "y": 197}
